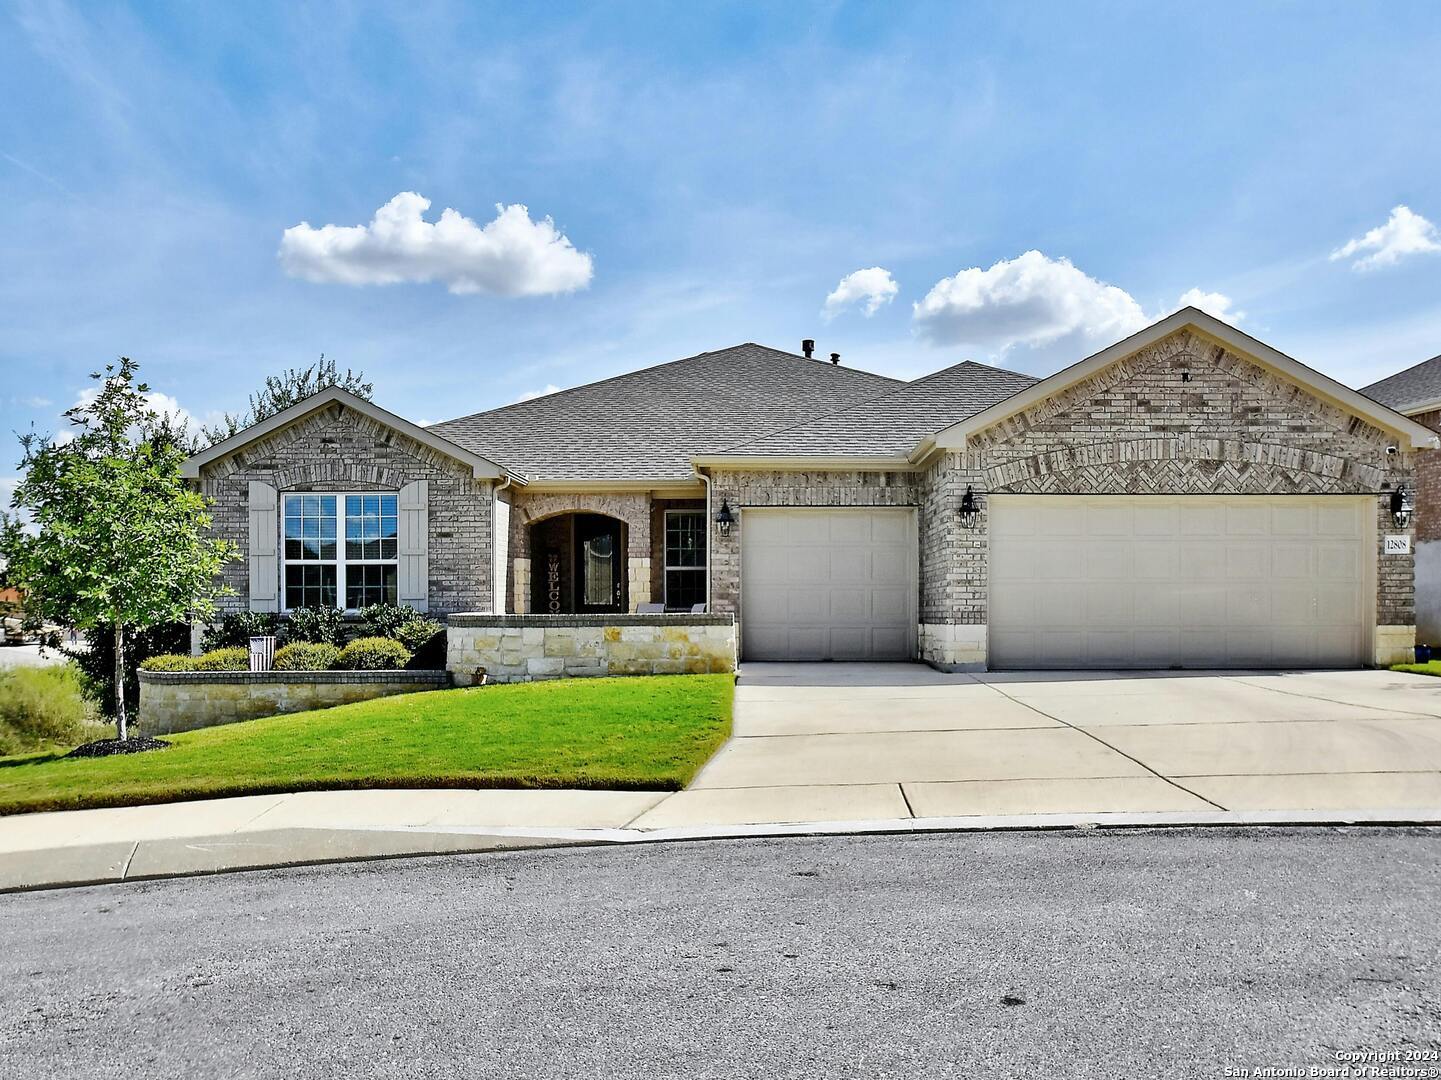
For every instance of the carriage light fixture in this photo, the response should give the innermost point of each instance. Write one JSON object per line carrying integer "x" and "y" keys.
{"x": 970, "y": 509}
{"x": 724, "y": 519}
{"x": 1403, "y": 502}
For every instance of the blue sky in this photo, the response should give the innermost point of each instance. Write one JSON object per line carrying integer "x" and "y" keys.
{"x": 713, "y": 172}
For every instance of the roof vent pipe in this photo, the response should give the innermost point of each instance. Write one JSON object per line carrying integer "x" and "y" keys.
{"x": 835, "y": 358}
{"x": 808, "y": 346}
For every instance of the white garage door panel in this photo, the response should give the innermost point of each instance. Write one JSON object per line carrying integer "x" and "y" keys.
{"x": 1179, "y": 581}
{"x": 827, "y": 584}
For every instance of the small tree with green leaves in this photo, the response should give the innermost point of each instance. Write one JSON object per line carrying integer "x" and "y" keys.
{"x": 117, "y": 540}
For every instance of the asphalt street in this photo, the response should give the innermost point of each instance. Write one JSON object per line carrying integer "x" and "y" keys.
{"x": 1079, "y": 953}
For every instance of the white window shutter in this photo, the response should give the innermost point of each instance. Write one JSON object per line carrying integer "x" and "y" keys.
{"x": 414, "y": 524}
{"x": 264, "y": 547}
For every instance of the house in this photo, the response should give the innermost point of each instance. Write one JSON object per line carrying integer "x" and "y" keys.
{"x": 1188, "y": 497}
{"x": 1416, "y": 392}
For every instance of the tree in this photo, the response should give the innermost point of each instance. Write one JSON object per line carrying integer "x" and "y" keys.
{"x": 117, "y": 540}
{"x": 284, "y": 390}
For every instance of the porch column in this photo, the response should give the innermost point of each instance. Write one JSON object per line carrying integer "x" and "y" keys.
{"x": 637, "y": 562}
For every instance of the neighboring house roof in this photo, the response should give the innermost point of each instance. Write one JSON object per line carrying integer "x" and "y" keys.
{"x": 892, "y": 425}
{"x": 651, "y": 424}
{"x": 1324, "y": 387}
{"x": 483, "y": 467}
{"x": 1417, "y": 389}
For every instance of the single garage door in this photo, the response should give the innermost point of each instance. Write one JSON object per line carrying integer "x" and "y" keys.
{"x": 1180, "y": 581}
{"x": 827, "y": 584}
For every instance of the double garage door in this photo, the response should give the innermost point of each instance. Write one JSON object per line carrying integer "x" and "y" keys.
{"x": 1186, "y": 581}
{"x": 834, "y": 584}
{"x": 1080, "y": 582}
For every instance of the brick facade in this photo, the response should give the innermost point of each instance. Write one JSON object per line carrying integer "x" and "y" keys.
{"x": 339, "y": 449}
{"x": 1184, "y": 416}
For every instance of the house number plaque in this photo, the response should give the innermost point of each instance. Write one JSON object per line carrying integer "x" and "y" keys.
{"x": 1396, "y": 545}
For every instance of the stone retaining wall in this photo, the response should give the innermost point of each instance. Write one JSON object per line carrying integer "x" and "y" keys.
{"x": 524, "y": 648}
{"x": 172, "y": 701}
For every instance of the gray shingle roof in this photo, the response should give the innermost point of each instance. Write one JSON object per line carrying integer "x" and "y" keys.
{"x": 649, "y": 424}
{"x": 1414, "y": 386}
{"x": 895, "y": 423}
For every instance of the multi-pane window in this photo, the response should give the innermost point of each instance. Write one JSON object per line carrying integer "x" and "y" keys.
{"x": 685, "y": 543}
{"x": 321, "y": 571}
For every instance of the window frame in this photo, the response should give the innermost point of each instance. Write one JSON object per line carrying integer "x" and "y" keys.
{"x": 702, "y": 567}
{"x": 340, "y": 562}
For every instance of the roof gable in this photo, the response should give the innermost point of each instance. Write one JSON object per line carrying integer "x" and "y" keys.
{"x": 1206, "y": 327}
{"x": 482, "y": 467}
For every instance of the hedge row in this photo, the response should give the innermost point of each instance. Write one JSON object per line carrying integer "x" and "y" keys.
{"x": 362, "y": 654}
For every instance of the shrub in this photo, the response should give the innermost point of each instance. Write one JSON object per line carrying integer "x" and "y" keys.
{"x": 385, "y": 620}
{"x": 238, "y": 627}
{"x": 232, "y": 659}
{"x": 168, "y": 662}
{"x": 373, "y": 654}
{"x": 318, "y": 624}
{"x": 40, "y": 705}
{"x": 425, "y": 638}
{"x": 306, "y": 656}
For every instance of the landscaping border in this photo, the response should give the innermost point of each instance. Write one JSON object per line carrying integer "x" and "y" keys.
{"x": 524, "y": 648}
{"x": 174, "y": 701}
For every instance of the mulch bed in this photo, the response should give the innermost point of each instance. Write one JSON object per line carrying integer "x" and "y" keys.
{"x": 136, "y": 744}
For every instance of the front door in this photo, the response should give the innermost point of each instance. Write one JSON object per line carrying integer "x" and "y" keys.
{"x": 599, "y": 570}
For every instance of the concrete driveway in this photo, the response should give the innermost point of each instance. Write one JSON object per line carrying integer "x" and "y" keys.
{"x": 845, "y": 742}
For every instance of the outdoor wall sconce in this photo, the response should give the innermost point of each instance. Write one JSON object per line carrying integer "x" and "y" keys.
{"x": 970, "y": 509}
{"x": 724, "y": 519}
{"x": 1402, "y": 503}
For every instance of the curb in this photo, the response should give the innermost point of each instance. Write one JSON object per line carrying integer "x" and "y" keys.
{"x": 148, "y": 860}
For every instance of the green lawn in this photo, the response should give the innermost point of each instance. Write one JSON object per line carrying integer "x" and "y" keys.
{"x": 1431, "y": 667}
{"x": 641, "y": 733}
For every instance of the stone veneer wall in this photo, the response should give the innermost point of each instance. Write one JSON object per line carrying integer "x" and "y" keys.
{"x": 1185, "y": 416}
{"x": 172, "y": 701}
{"x": 339, "y": 449}
{"x": 775, "y": 488}
{"x": 526, "y": 648}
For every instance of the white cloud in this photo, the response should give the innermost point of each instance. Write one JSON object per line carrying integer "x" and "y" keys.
{"x": 509, "y": 256}
{"x": 871, "y": 288}
{"x": 531, "y": 395}
{"x": 1212, "y": 303}
{"x": 1405, "y": 233}
{"x": 1031, "y": 300}
{"x": 1045, "y": 307}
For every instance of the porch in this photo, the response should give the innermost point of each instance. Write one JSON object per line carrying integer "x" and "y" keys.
{"x": 606, "y": 553}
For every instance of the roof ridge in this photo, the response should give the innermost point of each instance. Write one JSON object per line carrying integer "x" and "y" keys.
{"x": 658, "y": 367}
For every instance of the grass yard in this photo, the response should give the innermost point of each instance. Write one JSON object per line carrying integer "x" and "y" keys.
{"x": 1431, "y": 667}
{"x": 640, "y": 733}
